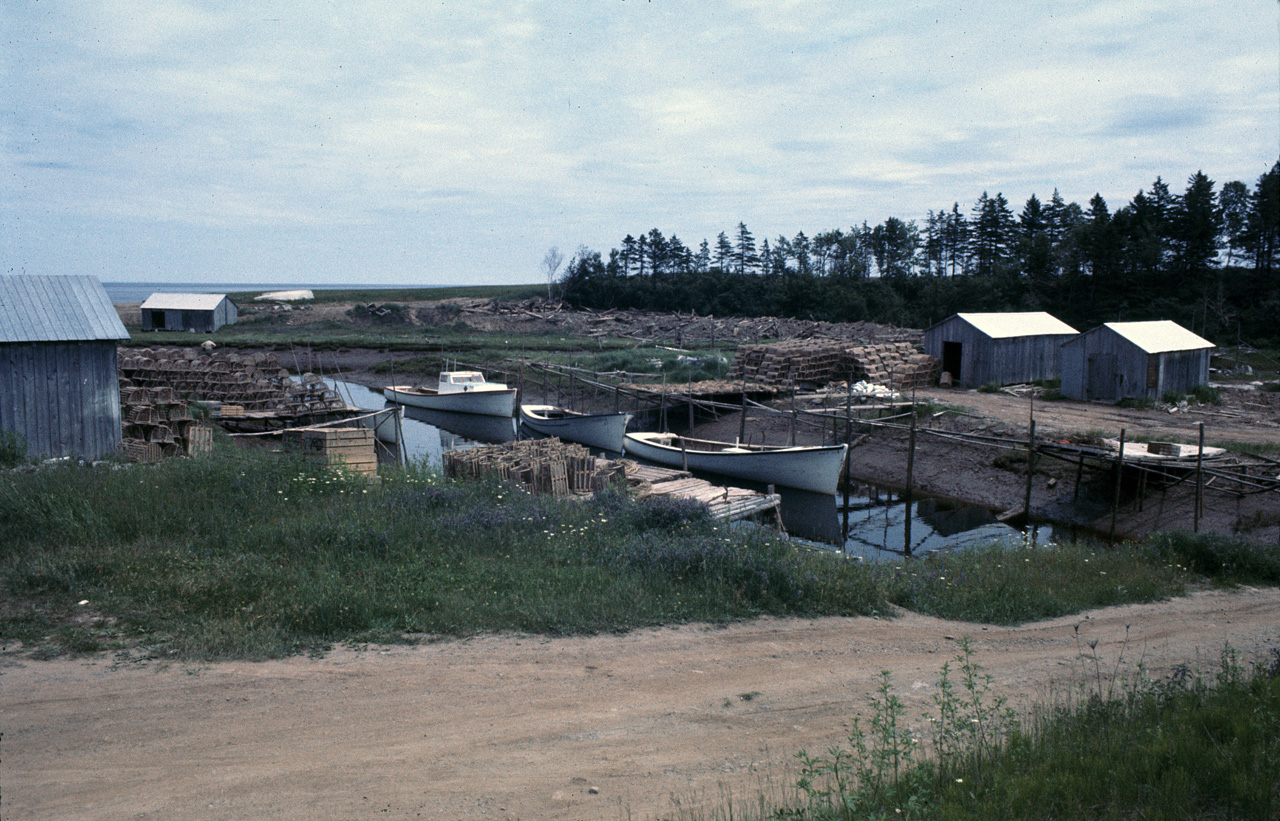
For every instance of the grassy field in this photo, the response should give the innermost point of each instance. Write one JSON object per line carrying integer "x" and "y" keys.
{"x": 247, "y": 554}
{"x": 1195, "y": 745}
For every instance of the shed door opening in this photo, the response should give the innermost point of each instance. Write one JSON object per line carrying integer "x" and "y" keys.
{"x": 951, "y": 358}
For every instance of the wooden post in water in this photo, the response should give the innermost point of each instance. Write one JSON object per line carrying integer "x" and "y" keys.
{"x": 793, "y": 411}
{"x": 911, "y": 459}
{"x": 848, "y": 454}
{"x": 1079, "y": 471}
{"x": 684, "y": 455}
{"x": 742, "y": 423}
{"x": 1031, "y": 467}
{"x": 1195, "y": 528}
{"x": 1115, "y": 499}
{"x": 662, "y": 402}
{"x": 690, "y": 389}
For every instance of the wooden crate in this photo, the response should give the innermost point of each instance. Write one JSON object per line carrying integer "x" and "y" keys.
{"x": 349, "y": 448}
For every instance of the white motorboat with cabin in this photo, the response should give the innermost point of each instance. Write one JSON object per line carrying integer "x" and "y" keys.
{"x": 808, "y": 467}
{"x": 458, "y": 392}
{"x": 597, "y": 430}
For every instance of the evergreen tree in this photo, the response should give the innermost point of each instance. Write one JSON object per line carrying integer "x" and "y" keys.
{"x": 800, "y": 249}
{"x": 1197, "y": 226}
{"x": 955, "y": 241}
{"x": 724, "y": 252}
{"x": 1263, "y": 235}
{"x": 628, "y": 255}
{"x": 1233, "y": 205}
{"x": 992, "y": 234}
{"x": 745, "y": 257}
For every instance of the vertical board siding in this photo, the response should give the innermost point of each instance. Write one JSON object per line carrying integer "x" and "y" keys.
{"x": 1004, "y": 361}
{"x": 1130, "y": 368}
{"x": 63, "y": 398}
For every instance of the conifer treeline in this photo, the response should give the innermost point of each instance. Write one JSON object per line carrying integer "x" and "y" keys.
{"x": 1207, "y": 258}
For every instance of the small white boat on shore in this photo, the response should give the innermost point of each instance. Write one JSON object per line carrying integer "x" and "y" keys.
{"x": 597, "y": 430}
{"x": 458, "y": 392}
{"x": 812, "y": 468}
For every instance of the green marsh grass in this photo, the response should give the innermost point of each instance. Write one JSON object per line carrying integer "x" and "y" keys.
{"x": 1002, "y": 584}
{"x": 248, "y": 554}
{"x": 251, "y": 555}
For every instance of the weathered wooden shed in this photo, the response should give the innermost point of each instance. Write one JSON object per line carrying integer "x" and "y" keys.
{"x": 1134, "y": 360}
{"x": 1004, "y": 348}
{"x": 59, "y": 390}
{"x": 201, "y": 313}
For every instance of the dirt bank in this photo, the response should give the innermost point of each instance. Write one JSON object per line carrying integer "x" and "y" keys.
{"x": 516, "y": 727}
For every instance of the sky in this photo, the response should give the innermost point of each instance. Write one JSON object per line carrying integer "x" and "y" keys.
{"x": 455, "y": 142}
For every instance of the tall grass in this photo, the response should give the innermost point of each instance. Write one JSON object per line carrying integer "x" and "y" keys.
{"x": 1183, "y": 747}
{"x": 1004, "y": 584}
{"x": 249, "y": 556}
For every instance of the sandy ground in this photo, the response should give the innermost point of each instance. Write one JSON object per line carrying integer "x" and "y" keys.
{"x": 657, "y": 721}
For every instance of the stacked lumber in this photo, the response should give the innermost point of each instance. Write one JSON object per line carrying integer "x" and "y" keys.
{"x": 155, "y": 424}
{"x": 343, "y": 448}
{"x": 541, "y": 466}
{"x": 724, "y": 503}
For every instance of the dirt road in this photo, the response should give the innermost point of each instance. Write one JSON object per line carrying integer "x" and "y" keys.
{"x": 517, "y": 727}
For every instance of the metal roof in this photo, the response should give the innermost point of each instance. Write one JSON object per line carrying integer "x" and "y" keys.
{"x": 1159, "y": 336}
{"x": 56, "y": 309}
{"x": 184, "y": 302}
{"x": 1027, "y": 323}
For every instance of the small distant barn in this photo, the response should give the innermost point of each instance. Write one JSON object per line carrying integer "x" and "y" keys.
{"x": 201, "y": 313}
{"x": 1134, "y": 360}
{"x": 59, "y": 390}
{"x": 1000, "y": 348}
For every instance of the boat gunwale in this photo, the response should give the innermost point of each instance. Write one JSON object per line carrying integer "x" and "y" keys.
{"x": 721, "y": 447}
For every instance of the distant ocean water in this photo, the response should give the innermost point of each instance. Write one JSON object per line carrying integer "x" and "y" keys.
{"x": 131, "y": 292}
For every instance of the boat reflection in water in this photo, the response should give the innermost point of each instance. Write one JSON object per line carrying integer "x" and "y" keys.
{"x": 877, "y": 520}
{"x": 458, "y": 431}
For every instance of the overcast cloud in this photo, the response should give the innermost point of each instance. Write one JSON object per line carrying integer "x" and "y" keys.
{"x": 454, "y": 142}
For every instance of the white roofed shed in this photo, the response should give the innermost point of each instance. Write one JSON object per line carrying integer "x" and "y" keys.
{"x": 202, "y": 313}
{"x": 1001, "y": 348}
{"x": 1134, "y": 360}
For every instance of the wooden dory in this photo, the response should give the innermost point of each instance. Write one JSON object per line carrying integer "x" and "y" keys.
{"x": 597, "y": 430}
{"x": 813, "y": 468}
{"x": 458, "y": 392}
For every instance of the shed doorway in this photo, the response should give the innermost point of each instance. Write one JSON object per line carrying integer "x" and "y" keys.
{"x": 952, "y": 356}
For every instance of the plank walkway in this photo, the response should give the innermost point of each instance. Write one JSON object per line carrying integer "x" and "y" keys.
{"x": 725, "y": 503}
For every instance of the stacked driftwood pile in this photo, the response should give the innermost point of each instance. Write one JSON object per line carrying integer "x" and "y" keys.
{"x": 814, "y": 361}
{"x": 156, "y": 423}
{"x": 237, "y": 382}
{"x": 541, "y": 466}
{"x": 681, "y": 330}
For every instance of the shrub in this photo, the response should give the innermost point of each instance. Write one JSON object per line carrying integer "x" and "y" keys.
{"x": 13, "y": 449}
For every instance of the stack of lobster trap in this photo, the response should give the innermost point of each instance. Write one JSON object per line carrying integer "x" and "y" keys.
{"x": 819, "y": 361}
{"x": 156, "y": 423}
{"x": 540, "y": 466}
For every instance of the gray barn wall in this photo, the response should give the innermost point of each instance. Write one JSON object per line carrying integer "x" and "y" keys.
{"x": 1182, "y": 371}
{"x": 1128, "y": 377}
{"x": 63, "y": 398}
{"x": 1004, "y": 361}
